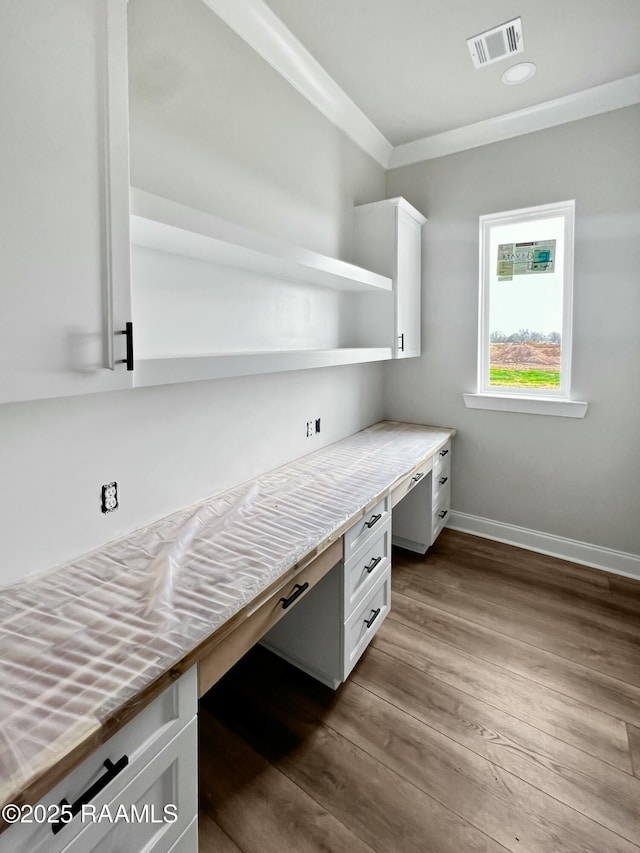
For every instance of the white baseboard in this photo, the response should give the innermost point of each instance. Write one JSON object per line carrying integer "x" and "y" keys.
{"x": 617, "y": 562}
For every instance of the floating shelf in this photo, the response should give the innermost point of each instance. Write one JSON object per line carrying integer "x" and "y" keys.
{"x": 163, "y": 371}
{"x": 164, "y": 225}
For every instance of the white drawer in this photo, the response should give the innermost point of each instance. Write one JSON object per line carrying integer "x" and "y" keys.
{"x": 440, "y": 515}
{"x": 439, "y": 483}
{"x": 443, "y": 498}
{"x": 439, "y": 520}
{"x": 362, "y": 625}
{"x": 365, "y": 528}
{"x": 362, "y": 570}
{"x": 169, "y": 780}
{"x": 139, "y": 741}
{"x": 441, "y": 459}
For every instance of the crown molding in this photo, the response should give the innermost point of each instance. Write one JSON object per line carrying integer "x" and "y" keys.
{"x": 261, "y": 28}
{"x": 589, "y": 102}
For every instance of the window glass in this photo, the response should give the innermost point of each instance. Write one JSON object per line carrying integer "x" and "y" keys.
{"x": 525, "y": 304}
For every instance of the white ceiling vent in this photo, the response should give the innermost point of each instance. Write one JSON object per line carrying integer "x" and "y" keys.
{"x": 496, "y": 44}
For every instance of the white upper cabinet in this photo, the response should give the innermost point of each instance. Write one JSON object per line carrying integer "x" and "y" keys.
{"x": 64, "y": 207}
{"x": 208, "y": 298}
{"x": 388, "y": 239}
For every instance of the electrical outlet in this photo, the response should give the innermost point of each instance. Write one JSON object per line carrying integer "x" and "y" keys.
{"x": 110, "y": 497}
{"x": 313, "y": 427}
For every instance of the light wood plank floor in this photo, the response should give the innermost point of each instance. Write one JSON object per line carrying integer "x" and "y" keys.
{"x": 498, "y": 708}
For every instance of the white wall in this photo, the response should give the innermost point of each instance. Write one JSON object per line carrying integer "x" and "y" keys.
{"x": 215, "y": 127}
{"x": 572, "y": 478}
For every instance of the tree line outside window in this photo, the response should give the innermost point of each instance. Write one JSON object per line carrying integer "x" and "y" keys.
{"x": 523, "y": 336}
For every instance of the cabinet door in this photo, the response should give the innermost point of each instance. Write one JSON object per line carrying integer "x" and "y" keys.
{"x": 408, "y": 285}
{"x": 64, "y": 232}
{"x": 388, "y": 240}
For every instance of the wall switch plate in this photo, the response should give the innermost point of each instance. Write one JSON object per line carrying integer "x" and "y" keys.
{"x": 110, "y": 497}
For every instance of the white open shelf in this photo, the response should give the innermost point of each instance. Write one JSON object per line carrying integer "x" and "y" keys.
{"x": 213, "y": 299}
{"x": 164, "y": 225}
{"x": 163, "y": 371}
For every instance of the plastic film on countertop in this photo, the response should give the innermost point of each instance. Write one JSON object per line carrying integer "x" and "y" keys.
{"x": 79, "y": 641}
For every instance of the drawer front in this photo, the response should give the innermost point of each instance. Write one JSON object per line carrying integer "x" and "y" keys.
{"x": 440, "y": 483}
{"x": 437, "y": 526}
{"x": 362, "y": 625}
{"x": 441, "y": 513}
{"x": 362, "y": 570}
{"x": 366, "y": 528}
{"x": 410, "y": 482}
{"x": 159, "y": 804}
{"x": 139, "y": 741}
{"x": 441, "y": 459}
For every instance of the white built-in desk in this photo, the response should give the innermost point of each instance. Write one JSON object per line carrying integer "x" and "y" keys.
{"x": 90, "y": 648}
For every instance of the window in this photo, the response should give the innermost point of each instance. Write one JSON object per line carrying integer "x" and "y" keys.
{"x": 526, "y": 288}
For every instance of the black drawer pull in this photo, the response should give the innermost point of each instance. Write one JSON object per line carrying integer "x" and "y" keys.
{"x": 443, "y": 513}
{"x": 374, "y": 562}
{"x": 369, "y": 622}
{"x": 373, "y": 520}
{"x": 298, "y": 589}
{"x": 443, "y": 480}
{"x": 417, "y": 476}
{"x": 91, "y": 792}
{"x": 401, "y": 344}
{"x": 443, "y": 452}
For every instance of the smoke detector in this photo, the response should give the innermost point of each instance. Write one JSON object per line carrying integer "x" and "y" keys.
{"x": 519, "y": 73}
{"x": 496, "y": 44}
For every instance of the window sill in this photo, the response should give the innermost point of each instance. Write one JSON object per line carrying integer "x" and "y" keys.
{"x": 560, "y": 407}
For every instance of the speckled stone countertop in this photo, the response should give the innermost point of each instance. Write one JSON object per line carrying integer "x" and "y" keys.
{"x": 81, "y": 640}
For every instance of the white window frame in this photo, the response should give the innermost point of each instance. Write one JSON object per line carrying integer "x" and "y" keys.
{"x": 534, "y": 400}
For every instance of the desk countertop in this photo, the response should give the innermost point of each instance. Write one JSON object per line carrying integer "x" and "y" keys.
{"x": 82, "y": 641}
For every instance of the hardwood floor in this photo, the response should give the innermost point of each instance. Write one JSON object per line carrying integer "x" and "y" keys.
{"x": 498, "y": 708}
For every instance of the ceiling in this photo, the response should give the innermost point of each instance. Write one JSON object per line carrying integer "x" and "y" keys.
{"x": 406, "y": 65}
